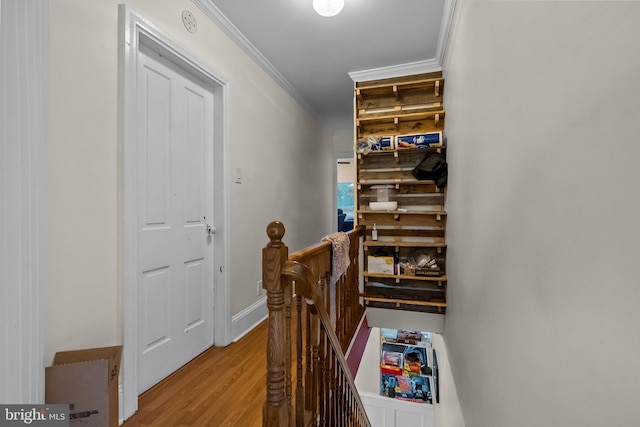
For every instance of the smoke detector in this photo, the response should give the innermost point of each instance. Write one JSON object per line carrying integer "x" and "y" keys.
{"x": 189, "y": 21}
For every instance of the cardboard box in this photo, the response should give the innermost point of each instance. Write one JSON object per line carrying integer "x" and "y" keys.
{"x": 380, "y": 264}
{"x": 428, "y": 272}
{"x": 421, "y": 140}
{"x": 87, "y": 380}
{"x": 384, "y": 143}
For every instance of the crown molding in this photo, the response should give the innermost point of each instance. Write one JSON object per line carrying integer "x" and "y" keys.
{"x": 445, "y": 27}
{"x": 418, "y": 67}
{"x": 218, "y": 18}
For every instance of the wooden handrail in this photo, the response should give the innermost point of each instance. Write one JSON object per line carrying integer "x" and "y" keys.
{"x": 310, "y": 251}
{"x": 321, "y": 329}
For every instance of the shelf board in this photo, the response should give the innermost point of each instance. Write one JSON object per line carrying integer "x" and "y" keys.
{"x": 398, "y": 126}
{"x": 404, "y": 218}
{"x": 391, "y": 85}
{"x": 398, "y": 212}
{"x": 406, "y": 302}
{"x": 398, "y": 111}
{"x": 405, "y": 181}
{"x": 399, "y": 277}
{"x": 378, "y": 243}
{"x": 399, "y": 234}
{"x": 399, "y": 151}
{"x": 436, "y": 115}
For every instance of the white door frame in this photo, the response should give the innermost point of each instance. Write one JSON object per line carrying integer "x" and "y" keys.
{"x": 24, "y": 136}
{"x": 134, "y": 32}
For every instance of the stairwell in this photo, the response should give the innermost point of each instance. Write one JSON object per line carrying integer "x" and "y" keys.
{"x": 384, "y": 411}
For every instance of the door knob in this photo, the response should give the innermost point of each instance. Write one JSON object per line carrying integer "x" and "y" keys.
{"x": 211, "y": 229}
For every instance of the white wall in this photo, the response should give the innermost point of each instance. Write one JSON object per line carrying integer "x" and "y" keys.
{"x": 343, "y": 141}
{"x": 367, "y": 379}
{"x": 543, "y": 118}
{"x": 283, "y": 151}
{"x": 447, "y": 410}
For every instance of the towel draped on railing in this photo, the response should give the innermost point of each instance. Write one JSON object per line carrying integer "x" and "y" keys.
{"x": 340, "y": 243}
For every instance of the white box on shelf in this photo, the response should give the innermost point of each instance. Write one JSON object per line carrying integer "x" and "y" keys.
{"x": 380, "y": 264}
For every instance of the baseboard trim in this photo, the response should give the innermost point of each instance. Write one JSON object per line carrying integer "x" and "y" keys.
{"x": 249, "y": 318}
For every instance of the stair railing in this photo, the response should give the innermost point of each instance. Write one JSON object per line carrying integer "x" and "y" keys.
{"x": 325, "y": 394}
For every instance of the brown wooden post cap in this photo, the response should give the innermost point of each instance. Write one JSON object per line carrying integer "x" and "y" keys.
{"x": 275, "y": 232}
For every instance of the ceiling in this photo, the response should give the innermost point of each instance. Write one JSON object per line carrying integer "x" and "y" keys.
{"x": 311, "y": 56}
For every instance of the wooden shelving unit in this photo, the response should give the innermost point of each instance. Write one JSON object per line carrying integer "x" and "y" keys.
{"x": 416, "y": 227}
{"x": 401, "y": 105}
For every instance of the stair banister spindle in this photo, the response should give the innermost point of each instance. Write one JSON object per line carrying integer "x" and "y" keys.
{"x": 304, "y": 277}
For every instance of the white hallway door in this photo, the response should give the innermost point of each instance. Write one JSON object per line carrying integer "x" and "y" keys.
{"x": 175, "y": 212}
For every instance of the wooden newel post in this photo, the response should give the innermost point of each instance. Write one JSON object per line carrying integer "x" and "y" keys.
{"x": 276, "y": 408}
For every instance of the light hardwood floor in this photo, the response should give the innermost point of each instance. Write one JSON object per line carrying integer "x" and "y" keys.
{"x": 221, "y": 387}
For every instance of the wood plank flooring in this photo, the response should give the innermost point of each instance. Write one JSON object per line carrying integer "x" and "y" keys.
{"x": 221, "y": 387}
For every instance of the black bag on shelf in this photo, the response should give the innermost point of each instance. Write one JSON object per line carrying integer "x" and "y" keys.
{"x": 434, "y": 168}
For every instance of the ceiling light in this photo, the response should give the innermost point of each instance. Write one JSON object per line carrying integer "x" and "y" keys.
{"x": 328, "y": 7}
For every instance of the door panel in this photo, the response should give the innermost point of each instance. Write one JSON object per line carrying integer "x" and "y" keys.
{"x": 175, "y": 252}
{"x": 194, "y": 171}
{"x": 155, "y": 303}
{"x": 157, "y": 146}
{"x": 195, "y": 290}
